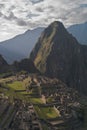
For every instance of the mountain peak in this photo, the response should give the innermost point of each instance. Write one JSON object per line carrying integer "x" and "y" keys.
{"x": 57, "y": 28}
{"x": 57, "y": 24}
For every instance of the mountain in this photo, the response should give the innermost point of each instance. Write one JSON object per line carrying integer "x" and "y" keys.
{"x": 18, "y": 66}
{"x": 20, "y": 46}
{"x": 10, "y": 55}
{"x": 3, "y": 65}
{"x": 25, "y": 65}
{"x": 80, "y": 32}
{"x": 58, "y": 54}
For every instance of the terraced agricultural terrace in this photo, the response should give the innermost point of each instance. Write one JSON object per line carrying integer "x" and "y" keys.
{"x": 34, "y": 102}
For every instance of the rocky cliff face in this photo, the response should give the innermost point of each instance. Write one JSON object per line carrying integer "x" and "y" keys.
{"x": 58, "y": 54}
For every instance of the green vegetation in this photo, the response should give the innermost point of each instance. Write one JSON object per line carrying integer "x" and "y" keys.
{"x": 17, "y": 89}
{"x": 13, "y": 90}
{"x": 50, "y": 99}
{"x": 17, "y": 85}
{"x": 27, "y": 82}
{"x": 46, "y": 112}
{"x": 36, "y": 100}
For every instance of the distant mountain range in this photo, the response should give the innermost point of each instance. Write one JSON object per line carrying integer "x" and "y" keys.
{"x": 58, "y": 54}
{"x": 20, "y": 46}
{"x": 10, "y": 55}
{"x": 80, "y": 32}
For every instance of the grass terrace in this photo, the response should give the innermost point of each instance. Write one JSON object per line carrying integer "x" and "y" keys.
{"x": 17, "y": 89}
{"x": 36, "y": 100}
{"x": 46, "y": 112}
{"x": 13, "y": 90}
{"x": 17, "y": 85}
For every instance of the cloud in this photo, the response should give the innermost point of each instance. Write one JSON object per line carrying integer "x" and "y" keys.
{"x": 21, "y": 22}
{"x": 1, "y": 14}
{"x": 36, "y": 1}
{"x": 16, "y": 16}
{"x": 1, "y": 6}
{"x": 11, "y": 16}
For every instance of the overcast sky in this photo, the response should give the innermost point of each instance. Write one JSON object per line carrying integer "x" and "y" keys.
{"x": 16, "y": 16}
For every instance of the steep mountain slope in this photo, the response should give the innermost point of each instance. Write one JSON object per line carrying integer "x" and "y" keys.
{"x": 3, "y": 65}
{"x": 25, "y": 65}
{"x": 20, "y": 46}
{"x": 80, "y": 32}
{"x": 58, "y": 54}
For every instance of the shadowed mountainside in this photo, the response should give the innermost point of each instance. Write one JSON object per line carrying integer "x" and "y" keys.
{"x": 3, "y": 65}
{"x": 25, "y": 65}
{"x": 58, "y": 54}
